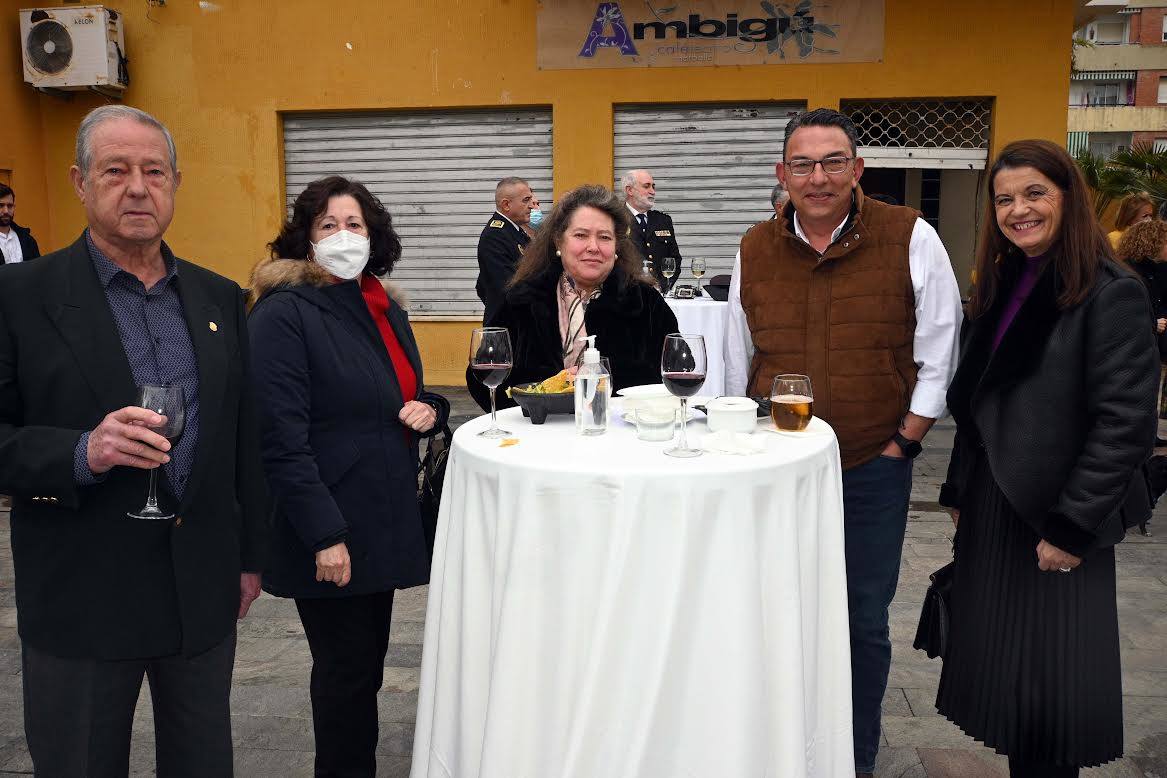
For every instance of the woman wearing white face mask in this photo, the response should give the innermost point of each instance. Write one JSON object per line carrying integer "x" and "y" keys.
{"x": 341, "y": 401}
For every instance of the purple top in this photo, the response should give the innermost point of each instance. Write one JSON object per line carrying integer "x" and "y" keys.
{"x": 1025, "y": 283}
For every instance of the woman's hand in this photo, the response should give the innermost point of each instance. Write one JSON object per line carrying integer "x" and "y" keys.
{"x": 418, "y": 416}
{"x": 333, "y": 564}
{"x": 954, "y": 514}
{"x": 1160, "y": 325}
{"x": 1050, "y": 557}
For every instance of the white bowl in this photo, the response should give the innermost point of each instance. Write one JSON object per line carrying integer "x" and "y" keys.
{"x": 653, "y": 396}
{"x": 735, "y": 414}
{"x": 644, "y": 390}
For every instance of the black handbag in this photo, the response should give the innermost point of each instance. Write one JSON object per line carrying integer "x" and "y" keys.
{"x": 430, "y": 477}
{"x": 932, "y": 633}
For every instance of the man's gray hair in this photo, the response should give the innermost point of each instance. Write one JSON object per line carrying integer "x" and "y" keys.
{"x": 777, "y": 193}
{"x": 508, "y": 182}
{"x": 629, "y": 179}
{"x": 106, "y": 113}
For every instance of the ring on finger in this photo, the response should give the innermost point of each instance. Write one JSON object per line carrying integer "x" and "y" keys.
{"x": 1064, "y": 569}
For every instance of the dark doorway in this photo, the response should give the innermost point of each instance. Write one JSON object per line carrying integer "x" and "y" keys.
{"x": 885, "y": 180}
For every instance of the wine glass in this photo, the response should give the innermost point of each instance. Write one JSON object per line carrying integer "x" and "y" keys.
{"x": 170, "y": 402}
{"x": 668, "y": 269}
{"x": 698, "y": 268}
{"x": 682, "y": 369}
{"x": 491, "y": 362}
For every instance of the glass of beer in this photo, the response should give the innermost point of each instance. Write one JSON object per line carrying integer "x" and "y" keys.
{"x": 791, "y": 402}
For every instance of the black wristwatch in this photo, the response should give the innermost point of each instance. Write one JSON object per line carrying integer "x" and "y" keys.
{"x": 911, "y": 448}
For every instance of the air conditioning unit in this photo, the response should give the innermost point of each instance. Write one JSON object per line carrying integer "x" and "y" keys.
{"x": 74, "y": 48}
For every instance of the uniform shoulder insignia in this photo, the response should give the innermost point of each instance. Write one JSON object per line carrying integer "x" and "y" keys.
{"x": 497, "y": 223}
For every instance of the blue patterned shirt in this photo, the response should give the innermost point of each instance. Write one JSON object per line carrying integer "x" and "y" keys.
{"x": 157, "y": 343}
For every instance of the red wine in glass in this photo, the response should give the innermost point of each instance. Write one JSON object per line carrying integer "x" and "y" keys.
{"x": 491, "y": 362}
{"x": 491, "y": 374}
{"x": 683, "y": 384}
{"x": 683, "y": 363}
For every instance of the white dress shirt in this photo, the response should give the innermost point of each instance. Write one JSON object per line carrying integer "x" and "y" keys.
{"x": 635, "y": 213}
{"x": 935, "y": 347}
{"x": 10, "y": 247}
{"x": 508, "y": 220}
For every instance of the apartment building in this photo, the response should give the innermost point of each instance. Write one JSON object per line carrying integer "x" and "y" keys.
{"x": 1118, "y": 87}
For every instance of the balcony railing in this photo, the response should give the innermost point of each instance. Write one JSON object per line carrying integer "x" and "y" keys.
{"x": 1100, "y": 102}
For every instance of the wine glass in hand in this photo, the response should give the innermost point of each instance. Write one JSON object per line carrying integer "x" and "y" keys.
{"x": 168, "y": 402}
{"x": 668, "y": 269}
{"x": 491, "y": 362}
{"x": 682, "y": 369}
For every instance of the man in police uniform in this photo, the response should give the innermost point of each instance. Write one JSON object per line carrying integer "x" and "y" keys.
{"x": 502, "y": 241}
{"x": 651, "y": 230}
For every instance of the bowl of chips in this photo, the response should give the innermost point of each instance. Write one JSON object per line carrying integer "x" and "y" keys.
{"x": 553, "y": 395}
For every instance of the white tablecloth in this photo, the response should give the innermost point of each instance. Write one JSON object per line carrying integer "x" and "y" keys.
{"x": 706, "y": 316}
{"x": 600, "y": 610}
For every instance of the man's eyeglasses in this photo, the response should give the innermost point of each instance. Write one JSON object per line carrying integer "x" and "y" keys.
{"x": 831, "y": 166}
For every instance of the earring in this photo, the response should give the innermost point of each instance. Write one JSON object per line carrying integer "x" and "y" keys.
{"x": 557, "y": 253}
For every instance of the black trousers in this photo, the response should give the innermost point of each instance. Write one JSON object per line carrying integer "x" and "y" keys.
{"x": 348, "y": 637}
{"x": 78, "y": 712}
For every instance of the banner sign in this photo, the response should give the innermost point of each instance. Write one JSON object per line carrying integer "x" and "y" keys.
{"x": 694, "y": 33}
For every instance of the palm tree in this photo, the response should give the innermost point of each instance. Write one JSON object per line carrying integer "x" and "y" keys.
{"x": 1137, "y": 169}
{"x": 1148, "y": 168}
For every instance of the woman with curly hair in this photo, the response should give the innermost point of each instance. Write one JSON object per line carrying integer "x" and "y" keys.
{"x": 1144, "y": 249}
{"x": 342, "y": 405}
{"x": 1133, "y": 209}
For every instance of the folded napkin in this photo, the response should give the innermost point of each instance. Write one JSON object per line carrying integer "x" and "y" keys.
{"x": 726, "y": 442}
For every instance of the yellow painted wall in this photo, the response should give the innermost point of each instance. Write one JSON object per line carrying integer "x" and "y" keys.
{"x": 219, "y": 74}
{"x": 22, "y": 150}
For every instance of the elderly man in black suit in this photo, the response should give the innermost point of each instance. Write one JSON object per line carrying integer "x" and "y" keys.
{"x": 652, "y": 230}
{"x": 102, "y": 598}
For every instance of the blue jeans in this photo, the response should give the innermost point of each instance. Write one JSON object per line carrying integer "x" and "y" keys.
{"x": 875, "y": 517}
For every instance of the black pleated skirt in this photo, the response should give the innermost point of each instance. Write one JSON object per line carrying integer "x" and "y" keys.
{"x": 1032, "y": 669}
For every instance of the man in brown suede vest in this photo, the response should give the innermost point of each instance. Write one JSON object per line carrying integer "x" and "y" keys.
{"x": 859, "y": 296}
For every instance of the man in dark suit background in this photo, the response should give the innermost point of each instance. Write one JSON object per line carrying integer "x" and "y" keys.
{"x": 652, "y": 230}
{"x": 16, "y": 243}
{"x": 502, "y": 241}
{"x": 104, "y": 599}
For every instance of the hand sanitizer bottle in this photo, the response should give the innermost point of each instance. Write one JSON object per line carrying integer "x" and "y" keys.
{"x": 593, "y": 389}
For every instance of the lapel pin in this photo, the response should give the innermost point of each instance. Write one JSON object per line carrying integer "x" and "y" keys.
{"x": 214, "y": 327}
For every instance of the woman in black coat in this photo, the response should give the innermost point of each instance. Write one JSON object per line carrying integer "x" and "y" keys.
{"x": 342, "y": 404}
{"x": 1144, "y": 247}
{"x": 581, "y": 276}
{"x": 1053, "y": 404}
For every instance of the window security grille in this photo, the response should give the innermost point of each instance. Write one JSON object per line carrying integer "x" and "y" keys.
{"x": 953, "y": 124}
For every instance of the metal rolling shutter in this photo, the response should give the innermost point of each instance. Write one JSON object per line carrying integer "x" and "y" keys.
{"x": 713, "y": 166}
{"x": 435, "y": 171}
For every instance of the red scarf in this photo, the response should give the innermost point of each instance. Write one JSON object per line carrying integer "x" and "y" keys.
{"x": 378, "y": 303}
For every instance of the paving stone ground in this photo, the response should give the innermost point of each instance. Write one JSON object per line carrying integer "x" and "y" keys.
{"x": 273, "y": 725}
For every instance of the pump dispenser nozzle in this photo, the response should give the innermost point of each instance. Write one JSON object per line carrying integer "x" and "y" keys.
{"x": 591, "y": 355}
